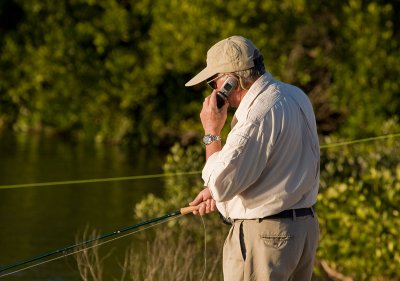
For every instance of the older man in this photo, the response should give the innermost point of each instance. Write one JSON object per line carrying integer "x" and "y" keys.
{"x": 265, "y": 179}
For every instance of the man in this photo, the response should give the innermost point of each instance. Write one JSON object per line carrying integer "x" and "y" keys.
{"x": 265, "y": 179}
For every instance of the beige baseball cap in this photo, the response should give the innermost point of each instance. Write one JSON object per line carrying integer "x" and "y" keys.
{"x": 229, "y": 55}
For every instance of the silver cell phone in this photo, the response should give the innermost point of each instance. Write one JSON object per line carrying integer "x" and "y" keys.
{"x": 226, "y": 89}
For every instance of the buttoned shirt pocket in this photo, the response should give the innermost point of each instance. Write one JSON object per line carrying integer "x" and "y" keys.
{"x": 276, "y": 241}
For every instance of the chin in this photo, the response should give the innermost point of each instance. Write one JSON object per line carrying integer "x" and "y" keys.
{"x": 233, "y": 104}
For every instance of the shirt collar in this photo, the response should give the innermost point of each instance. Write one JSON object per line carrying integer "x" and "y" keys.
{"x": 251, "y": 95}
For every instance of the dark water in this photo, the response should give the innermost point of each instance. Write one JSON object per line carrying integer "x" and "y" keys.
{"x": 37, "y": 220}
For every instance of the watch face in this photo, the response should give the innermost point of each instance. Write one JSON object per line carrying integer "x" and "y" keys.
{"x": 207, "y": 139}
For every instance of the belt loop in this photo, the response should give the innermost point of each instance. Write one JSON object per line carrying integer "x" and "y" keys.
{"x": 312, "y": 211}
{"x": 259, "y": 220}
{"x": 294, "y": 214}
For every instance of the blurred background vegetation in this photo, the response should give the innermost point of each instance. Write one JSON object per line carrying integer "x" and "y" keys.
{"x": 113, "y": 71}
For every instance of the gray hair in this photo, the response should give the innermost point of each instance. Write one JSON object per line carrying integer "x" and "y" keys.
{"x": 248, "y": 76}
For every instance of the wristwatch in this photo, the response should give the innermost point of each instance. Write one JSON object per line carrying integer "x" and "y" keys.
{"x": 207, "y": 139}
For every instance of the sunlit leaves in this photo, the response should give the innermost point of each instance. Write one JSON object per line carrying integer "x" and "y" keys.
{"x": 113, "y": 62}
{"x": 358, "y": 208}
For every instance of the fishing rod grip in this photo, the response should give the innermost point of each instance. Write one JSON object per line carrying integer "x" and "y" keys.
{"x": 187, "y": 210}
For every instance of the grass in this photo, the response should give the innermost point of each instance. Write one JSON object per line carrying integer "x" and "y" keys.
{"x": 166, "y": 253}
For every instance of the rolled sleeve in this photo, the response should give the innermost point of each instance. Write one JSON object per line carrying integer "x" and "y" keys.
{"x": 230, "y": 171}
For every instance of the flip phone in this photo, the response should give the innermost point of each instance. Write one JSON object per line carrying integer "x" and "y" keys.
{"x": 226, "y": 89}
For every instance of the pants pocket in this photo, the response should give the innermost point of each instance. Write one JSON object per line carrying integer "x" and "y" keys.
{"x": 275, "y": 241}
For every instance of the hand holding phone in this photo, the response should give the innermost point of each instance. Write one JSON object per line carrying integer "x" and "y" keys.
{"x": 226, "y": 89}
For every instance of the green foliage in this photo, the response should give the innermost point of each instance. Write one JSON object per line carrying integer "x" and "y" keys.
{"x": 357, "y": 204}
{"x": 115, "y": 70}
{"x": 358, "y": 208}
{"x": 366, "y": 66}
{"x": 179, "y": 191}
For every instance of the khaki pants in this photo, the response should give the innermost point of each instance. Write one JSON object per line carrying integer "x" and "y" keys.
{"x": 271, "y": 250}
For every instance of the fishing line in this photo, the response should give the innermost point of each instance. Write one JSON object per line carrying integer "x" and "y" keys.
{"x": 359, "y": 141}
{"x": 139, "y": 177}
{"x": 205, "y": 249}
{"x": 87, "y": 248}
{"x": 153, "y": 176}
{"x": 155, "y": 222}
{"x": 151, "y": 221}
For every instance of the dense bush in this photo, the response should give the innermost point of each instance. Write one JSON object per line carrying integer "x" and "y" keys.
{"x": 179, "y": 191}
{"x": 357, "y": 205}
{"x": 358, "y": 208}
{"x": 115, "y": 70}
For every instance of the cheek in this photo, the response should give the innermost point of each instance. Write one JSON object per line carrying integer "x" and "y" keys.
{"x": 233, "y": 101}
{"x": 219, "y": 83}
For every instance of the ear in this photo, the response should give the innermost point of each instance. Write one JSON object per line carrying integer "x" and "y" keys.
{"x": 242, "y": 84}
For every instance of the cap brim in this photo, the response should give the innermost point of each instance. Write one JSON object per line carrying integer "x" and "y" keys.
{"x": 201, "y": 76}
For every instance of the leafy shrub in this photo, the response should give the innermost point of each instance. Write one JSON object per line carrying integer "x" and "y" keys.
{"x": 179, "y": 191}
{"x": 357, "y": 204}
{"x": 358, "y": 209}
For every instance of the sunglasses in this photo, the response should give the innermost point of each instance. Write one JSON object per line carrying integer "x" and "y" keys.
{"x": 212, "y": 82}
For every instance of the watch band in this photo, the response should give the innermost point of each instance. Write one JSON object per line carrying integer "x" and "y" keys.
{"x": 207, "y": 139}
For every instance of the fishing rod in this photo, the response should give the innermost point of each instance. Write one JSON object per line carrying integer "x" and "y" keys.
{"x": 182, "y": 211}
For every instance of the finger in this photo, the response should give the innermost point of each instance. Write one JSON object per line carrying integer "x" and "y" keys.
{"x": 213, "y": 205}
{"x": 213, "y": 99}
{"x": 206, "y": 101}
{"x": 197, "y": 200}
{"x": 225, "y": 106}
{"x": 208, "y": 206}
{"x": 198, "y": 211}
{"x": 202, "y": 209}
